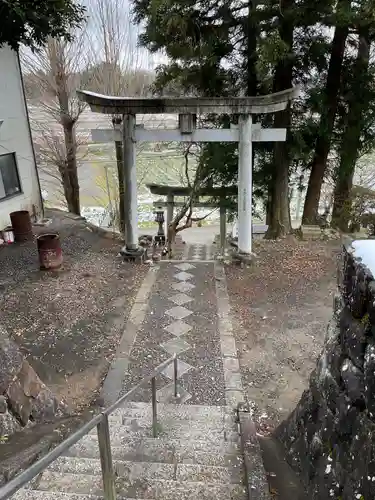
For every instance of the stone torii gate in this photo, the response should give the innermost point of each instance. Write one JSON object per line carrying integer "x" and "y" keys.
{"x": 187, "y": 109}
{"x": 170, "y": 192}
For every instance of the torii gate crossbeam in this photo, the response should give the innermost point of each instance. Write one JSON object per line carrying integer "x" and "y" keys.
{"x": 188, "y": 108}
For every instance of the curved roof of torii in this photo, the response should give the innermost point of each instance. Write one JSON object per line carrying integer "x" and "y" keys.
{"x": 164, "y": 190}
{"x": 111, "y": 105}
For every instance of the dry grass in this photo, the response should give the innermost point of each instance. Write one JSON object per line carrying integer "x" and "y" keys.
{"x": 281, "y": 305}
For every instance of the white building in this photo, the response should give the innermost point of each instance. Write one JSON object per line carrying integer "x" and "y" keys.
{"x": 19, "y": 182}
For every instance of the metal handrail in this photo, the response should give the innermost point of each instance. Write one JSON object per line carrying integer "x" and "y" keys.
{"x": 101, "y": 422}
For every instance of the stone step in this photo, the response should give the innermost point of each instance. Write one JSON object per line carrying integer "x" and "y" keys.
{"x": 91, "y": 466}
{"x": 209, "y": 474}
{"x": 175, "y": 411}
{"x": 162, "y": 450}
{"x": 126, "y": 417}
{"x": 225, "y": 419}
{"x": 25, "y": 494}
{"x": 135, "y": 429}
{"x": 148, "y": 471}
{"x": 158, "y": 489}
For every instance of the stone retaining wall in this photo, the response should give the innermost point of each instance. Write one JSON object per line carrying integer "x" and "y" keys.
{"x": 24, "y": 399}
{"x": 330, "y": 436}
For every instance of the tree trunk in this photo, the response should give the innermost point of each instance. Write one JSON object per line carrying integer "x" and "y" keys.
{"x": 327, "y": 121}
{"x": 269, "y": 204}
{"x": 69, "y": 173}
{"x": 70, "y": 179}
{"x": 121, "y": 187}
{"x": 65, "y": 181}
{"x": 351, "y": 139}
{"x": 171, "y": 238}
{"x": 252, "y": 56}
{"x": 116, "y": 122}
{"x": 279, "y": 215}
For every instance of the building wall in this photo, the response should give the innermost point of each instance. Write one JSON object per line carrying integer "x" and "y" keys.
{"x": 15, "y": 137}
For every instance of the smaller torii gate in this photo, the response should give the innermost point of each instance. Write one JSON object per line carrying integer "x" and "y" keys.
{"x": 187, "y": 109}
{"x": 224, "y": 194}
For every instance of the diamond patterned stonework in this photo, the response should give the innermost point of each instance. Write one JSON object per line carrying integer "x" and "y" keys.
{"x": 185, "y": 266}
{"x": 183, "y": 287}
{"x": 182, "y": 276}
{"x": 178, "y": 328}
{"x": 180, "y": 299}
{"x": 175, "y": 346}
{"x": 178, "y": 312}
{"x": 182, "y": 368}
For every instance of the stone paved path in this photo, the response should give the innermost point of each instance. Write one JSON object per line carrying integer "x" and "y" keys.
{"x": 183, "y": 308}
{"x": 199, "y": 252}
{"x": 187, "y": 313}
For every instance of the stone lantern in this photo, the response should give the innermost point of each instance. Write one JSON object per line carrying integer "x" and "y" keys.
{"x": 159, "y": 218}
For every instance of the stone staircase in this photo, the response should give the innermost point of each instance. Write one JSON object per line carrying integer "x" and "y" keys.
{"x": 195, "y": 456}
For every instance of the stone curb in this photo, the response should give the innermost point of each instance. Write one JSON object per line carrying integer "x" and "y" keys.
{"x": 113, "y": 382}
{"x": 232, "y": 375}
{"x": 256, "y": 479}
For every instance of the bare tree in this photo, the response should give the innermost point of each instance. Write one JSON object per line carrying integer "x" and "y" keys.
{"x": 103, "y": 57}
{"x": 362, "y": 195}
{"x": 56, "y": 69}
{"x": 118, "y": 66}
{"x": 195, "y": 179}
{"x": 365, "y": 172}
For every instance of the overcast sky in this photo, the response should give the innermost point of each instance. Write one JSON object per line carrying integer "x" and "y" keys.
{"x": 118, "y": 13}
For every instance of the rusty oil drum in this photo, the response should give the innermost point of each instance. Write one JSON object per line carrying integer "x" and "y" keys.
{"x": 49, "y": 250}
{"x": 22, "y": 228}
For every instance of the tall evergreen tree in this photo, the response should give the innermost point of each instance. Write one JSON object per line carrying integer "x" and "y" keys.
{"x": 351, "y": 137}
{"x": 357, "y": 109}
{"x": 279, "y": 211}
{"x": 328, "y": 110}
{"x": 256, "y": 47}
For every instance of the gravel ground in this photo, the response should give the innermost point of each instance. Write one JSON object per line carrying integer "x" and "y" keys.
{"x": 281, "y": 306}
{"x": 68, "y": 322}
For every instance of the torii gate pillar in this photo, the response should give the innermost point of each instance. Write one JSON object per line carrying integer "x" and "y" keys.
{"x": 245, "y": 184}
{"x": 187, "y": 109}
{"x": 130, "y": 183}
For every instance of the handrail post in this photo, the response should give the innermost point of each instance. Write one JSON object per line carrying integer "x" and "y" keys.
{"x": 175, "y": 376}
{"x": 106, "y": 459}
{"x": 154, "y": 409}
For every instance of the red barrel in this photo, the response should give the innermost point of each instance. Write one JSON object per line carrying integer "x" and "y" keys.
{"x": 21, "y": 223}
{"x": 49, "y": 249}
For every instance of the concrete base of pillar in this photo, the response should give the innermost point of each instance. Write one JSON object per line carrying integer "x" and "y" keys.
{"x": 138, "y": 255}
{"x": 243, "y": 258}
